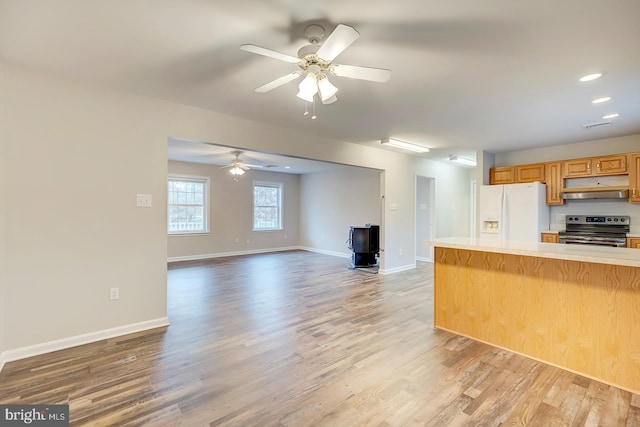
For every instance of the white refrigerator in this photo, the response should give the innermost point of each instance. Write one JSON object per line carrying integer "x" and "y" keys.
{"x": 513, "y": 211}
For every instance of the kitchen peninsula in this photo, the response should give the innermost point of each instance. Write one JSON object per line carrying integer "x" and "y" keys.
{"x": 573, "y": 306}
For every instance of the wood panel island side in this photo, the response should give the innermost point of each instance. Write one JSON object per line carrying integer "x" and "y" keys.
{"x": 573, "y": 306}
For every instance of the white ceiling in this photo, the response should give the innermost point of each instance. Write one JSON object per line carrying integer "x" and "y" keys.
{"x": 497, "y": 75}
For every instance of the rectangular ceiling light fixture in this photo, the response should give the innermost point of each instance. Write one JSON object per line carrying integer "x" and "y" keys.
{"x": 462, "y": 161}
{"x": 405, "y": 145}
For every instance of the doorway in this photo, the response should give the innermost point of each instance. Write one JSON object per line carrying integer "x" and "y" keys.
{"x": 425, "y": 217}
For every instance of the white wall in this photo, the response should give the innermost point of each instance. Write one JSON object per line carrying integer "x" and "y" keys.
{"x": 332, "y": 201}
{"x": 626, "y": 144}
{"x": 77, "y": 156}
{"x": 623, "y": 144}
{"x": 452, "y": 197}
{"x": 3, "y": 210}
{"x": 231, "y": 204}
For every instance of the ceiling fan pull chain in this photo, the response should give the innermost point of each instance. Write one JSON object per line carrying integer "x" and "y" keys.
{"x": 314, "y": 109}
{"x": 306, "y": 108}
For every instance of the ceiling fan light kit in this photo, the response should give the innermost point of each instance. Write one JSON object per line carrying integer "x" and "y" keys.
{"x": 308, "y": 88}
{"x": 238, "y": 167}
{"x": 315, "y": 61}
{"x": 405, "y": 145}
{"x": 237, "y": 170}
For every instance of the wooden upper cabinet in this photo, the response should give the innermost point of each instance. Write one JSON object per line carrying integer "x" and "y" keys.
{"x": 516, "y": 174}
{"x": 593, "y": 166}
{"x": 611, "y": 165}
{"x": 530, "y": 173}
{"x": 502, "y": 175}
{"x": 634, "y": 178}
{"x": 578, "y": 167}
{"x": 555, "y": 183}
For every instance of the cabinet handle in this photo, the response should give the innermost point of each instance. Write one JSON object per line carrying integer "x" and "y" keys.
{"x": 598, "y": 165}
{"x": 588, "y": 166}
{"x": 633, "y": 192}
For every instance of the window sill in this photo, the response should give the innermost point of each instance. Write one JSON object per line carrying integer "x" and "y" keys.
{"x": 204, "y": 233}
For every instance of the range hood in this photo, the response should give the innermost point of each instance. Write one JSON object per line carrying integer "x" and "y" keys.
{"x": 587, "y": 193}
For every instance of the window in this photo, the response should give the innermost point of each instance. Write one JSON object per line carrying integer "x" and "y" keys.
{"x": 267, "y": 206}
{"x": 188, "y": 204}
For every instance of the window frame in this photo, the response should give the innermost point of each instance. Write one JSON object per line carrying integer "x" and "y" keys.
{"x": 280, "y": 207}
{"x": 206, "y": 181}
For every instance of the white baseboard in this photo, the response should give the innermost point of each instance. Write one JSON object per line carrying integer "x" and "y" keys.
{"x": 325, "y": 252}
{"x": 227, "y": 254}
{"x": 423, "y": 259}
{"x": 61, "y": 344}
{"x": 398, "y": 269}
{"x": 256, "y": 251}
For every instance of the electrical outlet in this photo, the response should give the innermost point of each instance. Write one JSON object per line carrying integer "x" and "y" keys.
{"x": 143, "y": 200}
{"x": 114, "y": 294}
{"x": 400, "y": 251}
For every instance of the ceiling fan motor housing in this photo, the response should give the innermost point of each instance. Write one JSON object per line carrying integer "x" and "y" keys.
{"x": 314, "y": 33}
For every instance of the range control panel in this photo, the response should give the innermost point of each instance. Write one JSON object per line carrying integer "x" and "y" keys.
{"x": 598, "y": 219}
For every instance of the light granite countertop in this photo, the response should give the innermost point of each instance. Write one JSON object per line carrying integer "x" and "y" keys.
{"x": 585, "y": 253}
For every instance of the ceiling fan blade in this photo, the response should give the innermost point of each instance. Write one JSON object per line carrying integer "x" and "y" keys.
{"x": 330, "y": 100}
{"x": 278, "y": 82}
{"x": 246, "y": 165}
{"x": 380, "y": 75}
{"x": 270, "y": 53}
{"x": 340, "y": 39}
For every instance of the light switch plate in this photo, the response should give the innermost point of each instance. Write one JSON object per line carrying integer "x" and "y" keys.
{"x": 143, "y": 200}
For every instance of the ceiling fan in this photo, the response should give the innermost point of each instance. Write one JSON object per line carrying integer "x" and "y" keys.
{"x": 315, "y": 61}
{"x": 237, "y": 166}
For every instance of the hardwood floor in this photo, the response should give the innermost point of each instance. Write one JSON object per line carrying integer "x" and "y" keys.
{"x": 297, "y": 339}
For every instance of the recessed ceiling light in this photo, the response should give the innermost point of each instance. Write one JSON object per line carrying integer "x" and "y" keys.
{"x": 287, "y": 167}
{"x": 611, "y": 116}
{"x": 590, "y": 77}
{"x": 601, "y": 100}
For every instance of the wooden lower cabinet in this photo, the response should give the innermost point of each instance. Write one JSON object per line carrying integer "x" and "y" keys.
{"x": 549, "y": 237}
{"x": 633, "y": 242}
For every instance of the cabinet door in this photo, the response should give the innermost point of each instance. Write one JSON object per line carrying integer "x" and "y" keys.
{"x": 634, "y": 177}
{"x": 611, "y": 165}
{"x": 549, "y": 238}
{"x": 576, "y": 168}
{"x": 554, "y": 180}
{"x": 633, "y": 242}
{"x": 530, "y": 173}
{"x": 502, "y": 175}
